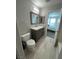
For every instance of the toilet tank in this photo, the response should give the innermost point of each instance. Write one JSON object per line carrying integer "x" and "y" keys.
{"x": 25, "y": 37}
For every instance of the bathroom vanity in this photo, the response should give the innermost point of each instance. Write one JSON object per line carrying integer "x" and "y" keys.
{"x": 37, "y": 26}
{"x": 37, "y": 32}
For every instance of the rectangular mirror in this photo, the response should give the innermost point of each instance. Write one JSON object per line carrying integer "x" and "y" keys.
{"x": 35, "y": 18}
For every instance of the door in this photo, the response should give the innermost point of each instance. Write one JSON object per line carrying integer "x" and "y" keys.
{"x": 53, "y": 20}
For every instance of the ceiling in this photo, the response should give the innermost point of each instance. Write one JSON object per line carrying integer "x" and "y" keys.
{"x": 45, "y": 3}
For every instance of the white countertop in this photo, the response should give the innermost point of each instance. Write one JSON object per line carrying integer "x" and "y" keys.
{"x": 37, "y": 27}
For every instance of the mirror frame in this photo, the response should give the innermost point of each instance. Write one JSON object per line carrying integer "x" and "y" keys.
{"x": 40, "y": 21}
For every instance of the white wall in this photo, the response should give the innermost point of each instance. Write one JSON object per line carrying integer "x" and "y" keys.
{"x": 23, "y": 8}
{"x": 45, "y": 10}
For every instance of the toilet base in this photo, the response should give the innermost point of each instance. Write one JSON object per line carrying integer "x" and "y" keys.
{"x": 31, "y": 49}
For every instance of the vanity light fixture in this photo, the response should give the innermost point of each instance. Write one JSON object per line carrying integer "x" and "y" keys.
{"x": 35, "y": 10}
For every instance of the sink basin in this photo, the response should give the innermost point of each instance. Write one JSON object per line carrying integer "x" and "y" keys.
{"x": 37, "y": 27}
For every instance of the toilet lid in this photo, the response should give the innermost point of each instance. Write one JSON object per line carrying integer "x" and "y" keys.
{"x": 31, "y": 42}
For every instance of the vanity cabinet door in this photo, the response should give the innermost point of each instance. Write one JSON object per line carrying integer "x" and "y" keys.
{"x": 37, "y": 34}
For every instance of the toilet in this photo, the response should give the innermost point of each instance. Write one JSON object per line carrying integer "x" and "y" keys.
{"x": 30, "y": 43}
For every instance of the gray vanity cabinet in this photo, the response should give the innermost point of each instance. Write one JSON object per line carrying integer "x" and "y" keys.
{"x": 37, "y": 34}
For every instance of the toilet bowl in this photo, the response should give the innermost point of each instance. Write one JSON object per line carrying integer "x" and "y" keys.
{"x": 30, "y": 43}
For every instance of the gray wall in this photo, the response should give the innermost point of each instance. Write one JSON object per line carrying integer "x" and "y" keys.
{"x": 59, "y": 35}
{"x": 19, "y": 49}
{"x": 23, "y": 8}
